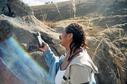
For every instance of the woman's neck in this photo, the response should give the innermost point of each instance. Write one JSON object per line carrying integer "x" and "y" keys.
{"x": 65, "y": 63}
{"x": 68, "y": 51}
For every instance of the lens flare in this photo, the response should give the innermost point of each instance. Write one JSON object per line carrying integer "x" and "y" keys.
{"x": 20, "y": 63}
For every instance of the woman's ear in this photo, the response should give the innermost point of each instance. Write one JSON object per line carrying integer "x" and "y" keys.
{"x": 70, "y": 35}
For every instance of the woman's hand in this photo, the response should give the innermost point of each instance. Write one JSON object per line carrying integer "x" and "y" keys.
{"x": 44, "y": 48}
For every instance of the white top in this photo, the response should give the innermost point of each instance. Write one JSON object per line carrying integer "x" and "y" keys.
{"x": 59, "y": 76}
{"x": 81, "y": 67}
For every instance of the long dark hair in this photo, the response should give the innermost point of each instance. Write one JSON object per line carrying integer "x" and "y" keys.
{"x": 78, "y": 40}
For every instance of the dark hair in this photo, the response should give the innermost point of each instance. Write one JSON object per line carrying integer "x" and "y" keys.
{"x": 78, "y": 38}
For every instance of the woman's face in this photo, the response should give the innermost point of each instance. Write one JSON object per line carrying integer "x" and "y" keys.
{"x": 65, "y": 39}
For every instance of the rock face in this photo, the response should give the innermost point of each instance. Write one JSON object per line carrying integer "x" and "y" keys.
{"x": 23, "y": 23}
{"x": 18, "y": 21}
{"x": 5, "y": 32}
{"x": 23, "y": 27}
{"x": 14, "y": 8}
{"x": 109, "y": 49}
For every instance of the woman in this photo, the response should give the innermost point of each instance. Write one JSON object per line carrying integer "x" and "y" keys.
{"x": 76, "y": 67}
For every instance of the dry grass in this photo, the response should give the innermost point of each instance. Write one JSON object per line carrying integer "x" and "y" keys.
{"x": 50, "y": 24}
{"x": 86, "y": 22}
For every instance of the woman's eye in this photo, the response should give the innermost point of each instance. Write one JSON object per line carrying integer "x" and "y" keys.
{"x": 60, "y": 37}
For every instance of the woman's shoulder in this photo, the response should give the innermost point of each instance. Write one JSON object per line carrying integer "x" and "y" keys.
{"x": 81, "y": 59}
{"x": 84, "y": 60}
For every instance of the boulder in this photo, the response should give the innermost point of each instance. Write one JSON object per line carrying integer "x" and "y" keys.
{"x": 14, "y": 8}
{"x": 23, "y": 24}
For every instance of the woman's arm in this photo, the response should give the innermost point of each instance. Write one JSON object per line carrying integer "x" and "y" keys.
{"x": 52, "y": 61}
{"x": 50, "y": 57}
